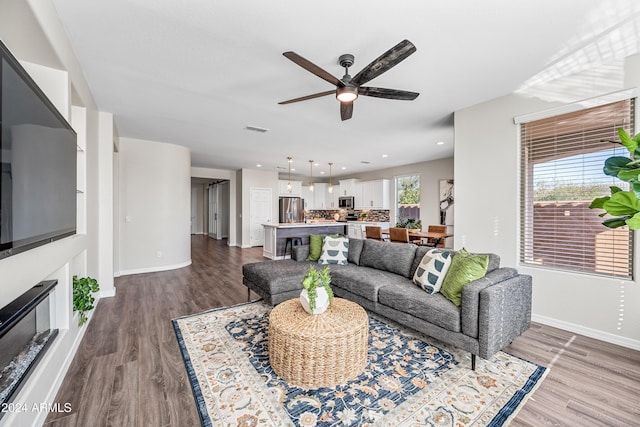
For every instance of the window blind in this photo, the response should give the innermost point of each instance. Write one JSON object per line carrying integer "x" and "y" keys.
{"x": 561, "y": 173}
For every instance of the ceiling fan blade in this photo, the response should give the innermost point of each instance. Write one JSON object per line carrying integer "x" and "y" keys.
{"x": 384, "y": 62}
{"x": 304, "y": 98}
{"x": 313, "y": 68}
{"x": 346, "y": 110}
{"x": 380, "y": 92}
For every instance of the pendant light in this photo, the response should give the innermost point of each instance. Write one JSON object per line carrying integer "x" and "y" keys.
{"x": 289, "y": 183}
{"x": 311, "y": 187}
{"x": 330, "y": 189}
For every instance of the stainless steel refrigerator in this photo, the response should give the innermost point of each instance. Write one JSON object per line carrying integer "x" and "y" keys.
{"x": 291, "y": 209}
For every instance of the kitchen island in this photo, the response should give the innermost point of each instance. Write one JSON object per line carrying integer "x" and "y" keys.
{"x": 275, "y": 235}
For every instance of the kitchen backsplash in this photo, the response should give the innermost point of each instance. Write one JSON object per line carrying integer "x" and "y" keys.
{"x": 372, "y": 215}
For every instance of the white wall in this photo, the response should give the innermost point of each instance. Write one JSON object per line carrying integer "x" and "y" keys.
{"x": 256, "y": 179}
{"x": 155, "y": 206}
{"x": 487, "y": 219}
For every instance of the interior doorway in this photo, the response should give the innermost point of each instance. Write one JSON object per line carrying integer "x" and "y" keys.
{"x": 210, "y": 207}
{"x": 218, "y": 210}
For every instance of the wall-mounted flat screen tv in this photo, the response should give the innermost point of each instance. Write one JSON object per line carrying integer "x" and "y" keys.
{"x": 38, "y": 153}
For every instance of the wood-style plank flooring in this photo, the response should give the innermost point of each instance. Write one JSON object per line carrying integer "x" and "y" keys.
{"x": 128, "y": 370}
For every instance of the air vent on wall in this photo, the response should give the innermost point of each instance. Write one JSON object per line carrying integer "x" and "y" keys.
{"x": 256, "y": 128}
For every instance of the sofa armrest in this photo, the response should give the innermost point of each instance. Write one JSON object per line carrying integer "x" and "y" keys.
{"x": 470, "y": 307}
{"x": 300, "y": 252}
{"x": 505, "y": 313}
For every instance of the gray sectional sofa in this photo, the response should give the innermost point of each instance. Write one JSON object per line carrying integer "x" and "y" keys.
{"x": 495, "y": 309}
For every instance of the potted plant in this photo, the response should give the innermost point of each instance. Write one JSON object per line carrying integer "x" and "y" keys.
{"x": 317, "y": 294}
{"x": 411, "y": 223}
{"x": 83, "y": 289}
{"x": 624, "y": 206}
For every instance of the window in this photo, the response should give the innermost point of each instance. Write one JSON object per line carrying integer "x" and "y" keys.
{"x": 561, "y": 172}
{"x": 408, "y": 200}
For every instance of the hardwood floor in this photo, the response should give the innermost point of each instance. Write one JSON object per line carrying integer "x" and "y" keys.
{"x": 128, "y": 370}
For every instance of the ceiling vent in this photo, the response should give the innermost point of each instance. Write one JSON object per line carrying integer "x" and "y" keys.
{"x": 256, "y": 129}
{"x": 365, "y": 162}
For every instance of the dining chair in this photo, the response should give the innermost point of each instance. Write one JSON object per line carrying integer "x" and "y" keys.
{"x": 397, "y": 234}
{"x": 436, "y": 243}
{"x": 373, "y": 232}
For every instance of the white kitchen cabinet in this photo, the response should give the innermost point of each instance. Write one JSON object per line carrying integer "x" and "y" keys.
{"x": 296, "y": 188}
{"x": 332, "y": 198}
{"x": 374, "y": 195}
{"x": 348, "y": 187}
{"x": 320, "y": 196}
{"x": 307, "y": 195}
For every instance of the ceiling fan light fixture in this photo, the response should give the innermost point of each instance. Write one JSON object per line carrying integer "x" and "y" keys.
{"x": 347, "y": 93}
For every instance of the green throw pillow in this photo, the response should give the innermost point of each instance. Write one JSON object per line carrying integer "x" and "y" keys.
{"x": 315, "y": 247}
{"x": 464, "y": 269}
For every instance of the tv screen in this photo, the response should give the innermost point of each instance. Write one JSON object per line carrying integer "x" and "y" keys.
{"x": 37, "y": 164}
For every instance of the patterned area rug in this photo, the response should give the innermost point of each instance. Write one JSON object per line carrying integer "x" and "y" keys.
{"x": 408, "y": 381}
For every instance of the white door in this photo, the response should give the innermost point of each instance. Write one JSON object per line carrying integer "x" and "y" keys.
{"x": 194, "y": 209}
{"x": 213, "y": 211}
{"x": 260, "y": 209}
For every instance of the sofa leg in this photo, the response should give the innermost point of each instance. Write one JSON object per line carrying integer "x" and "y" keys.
{"x": 248, "y": 295}
{"x": 473, "y": 362}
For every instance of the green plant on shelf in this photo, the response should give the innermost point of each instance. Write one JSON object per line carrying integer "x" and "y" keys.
{"x": 83, "y": 290}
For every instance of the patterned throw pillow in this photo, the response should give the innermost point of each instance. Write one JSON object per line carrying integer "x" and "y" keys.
{"x": 335, "y": 250}
{"x": 432, "y": 270}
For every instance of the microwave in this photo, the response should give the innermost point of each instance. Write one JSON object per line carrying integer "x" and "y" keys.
{"x": 345, "y": 202}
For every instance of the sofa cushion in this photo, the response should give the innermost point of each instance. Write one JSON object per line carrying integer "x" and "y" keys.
{"x": 433, "y": 308}
{"x": 420, "y": 251}
{"x": 335, "y": 251}
{"x": 364, "y": 281}
{"x": 276, "y": 276}
{"x": 464, "y": 269}
{"x": 355, "y": 250}
{"x": 432, "y": 270}
{"x": 315, "y": 247}
{"x": 394, "y": 257}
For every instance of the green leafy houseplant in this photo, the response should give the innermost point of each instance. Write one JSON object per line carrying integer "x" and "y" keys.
{"x": 315, "y": 279}
{"x": 409, "y": 223}
{"x": 623, "y": 206}
{"x": 83, "y": 288}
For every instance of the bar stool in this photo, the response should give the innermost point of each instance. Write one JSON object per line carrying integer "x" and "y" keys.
{"x": 293, "y": 241}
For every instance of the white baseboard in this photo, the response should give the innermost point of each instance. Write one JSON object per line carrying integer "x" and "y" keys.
{"x": 591, "y": 333}
{"x": 155, "y": 269}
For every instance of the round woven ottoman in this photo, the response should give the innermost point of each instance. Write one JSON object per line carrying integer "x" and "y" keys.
{"x": 322, "y": 350}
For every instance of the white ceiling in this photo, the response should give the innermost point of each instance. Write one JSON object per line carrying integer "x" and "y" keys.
{"x": 197, "y": 72}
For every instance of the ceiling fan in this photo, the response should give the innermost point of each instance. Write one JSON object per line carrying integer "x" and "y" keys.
{"x": 349, "y": 88}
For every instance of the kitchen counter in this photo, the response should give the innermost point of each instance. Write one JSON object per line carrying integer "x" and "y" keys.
{"x": 275, "y": 235}
{"x": 302, "y": 224}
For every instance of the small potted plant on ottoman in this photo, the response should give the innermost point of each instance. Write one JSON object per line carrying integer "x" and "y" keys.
{"x": 317, "y": 295}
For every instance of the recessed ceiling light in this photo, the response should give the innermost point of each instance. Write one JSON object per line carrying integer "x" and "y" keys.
{"x": 322, "y": 173}
{"x": 343, "y": 168}
{"x": 316, "y": 164}
{"x": 385, "y": 155}
{"x": 440, "y": 143}
{"x": 258, "y": 165}
{"x": 293, "y": 169}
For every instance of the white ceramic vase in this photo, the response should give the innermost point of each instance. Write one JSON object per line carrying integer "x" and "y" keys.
{"x": 322, "y": 301}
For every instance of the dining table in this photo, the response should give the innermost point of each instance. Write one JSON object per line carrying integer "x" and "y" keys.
{"x": 415, "y": 234}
